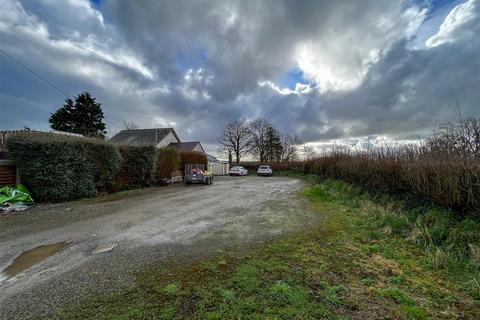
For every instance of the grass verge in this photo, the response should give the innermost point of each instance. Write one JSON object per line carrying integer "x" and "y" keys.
{"x": 360, "y": 262}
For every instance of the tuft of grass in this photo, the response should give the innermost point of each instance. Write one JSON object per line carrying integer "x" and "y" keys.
{"x": 171, "y": 289}
{"x": 396, "y": 295}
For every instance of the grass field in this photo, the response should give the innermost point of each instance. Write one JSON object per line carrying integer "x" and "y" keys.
{"x": 365, "y": 260}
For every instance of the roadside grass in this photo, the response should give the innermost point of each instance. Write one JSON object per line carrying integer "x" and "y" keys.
{"x": 363, "y": 261}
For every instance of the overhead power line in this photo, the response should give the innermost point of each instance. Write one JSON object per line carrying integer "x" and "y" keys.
{"x": 44, "y": 80}
{"x": 36, "y": 74}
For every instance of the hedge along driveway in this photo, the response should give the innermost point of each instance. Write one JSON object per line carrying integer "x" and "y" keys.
{"x": 58, "y": 168}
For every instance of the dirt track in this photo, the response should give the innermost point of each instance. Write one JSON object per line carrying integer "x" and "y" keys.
{"x": 113, "y": 239}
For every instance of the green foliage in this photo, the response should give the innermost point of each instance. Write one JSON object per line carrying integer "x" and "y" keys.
{"x": 58, "y": 168}
{"x": 396, "y": 295}
{"x": 168, "y": 161}
{"x": 273, "y": 150}
{"x": 53, "y": 167}
{"x": 171, "y": 289}
{"x": 414, "y": 313}
{"x": 137, "y": 168}
{"x": 450, "y": 242}
{"x": 84, "y": 116}
{"x": 105, "y": 161}
{"x": 191, "y": 157}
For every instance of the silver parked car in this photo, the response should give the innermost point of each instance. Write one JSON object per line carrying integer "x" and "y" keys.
{"x": 238, "y": 171}
{"x": 264, "y": 171}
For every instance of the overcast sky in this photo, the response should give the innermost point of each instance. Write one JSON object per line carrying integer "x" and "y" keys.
{"x": 324, "y": 70}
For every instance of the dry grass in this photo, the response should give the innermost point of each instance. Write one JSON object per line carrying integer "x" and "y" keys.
{"x": 444, "y": 170}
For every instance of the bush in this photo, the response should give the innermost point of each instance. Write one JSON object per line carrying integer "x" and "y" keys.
{"x": 168, "y": 161}
{"x": 105, "y": 160}
{"x": 137, "y": 167}
{"x": 449, "y": 179}
{"x": 190, "y": 157}
{"x": 59, "y": 168}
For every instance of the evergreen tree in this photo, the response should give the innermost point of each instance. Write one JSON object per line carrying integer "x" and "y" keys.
{"x": 274, "y": 144}
{"x": 84, "y": 116}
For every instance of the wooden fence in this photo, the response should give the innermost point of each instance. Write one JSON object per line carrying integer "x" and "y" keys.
{"x": 8, "y": 173}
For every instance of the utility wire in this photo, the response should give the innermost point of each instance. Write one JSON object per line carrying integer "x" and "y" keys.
{"x": 44, "y": 80}
{"x": 36, "y": 74}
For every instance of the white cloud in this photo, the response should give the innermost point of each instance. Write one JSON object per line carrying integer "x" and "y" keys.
{"x": 196, "y": 82}
{"x": 300, "y": 88}
{"x": 340, "y": 60}
{"x": 454, "y": 21}
{"x": 86, "y": 52}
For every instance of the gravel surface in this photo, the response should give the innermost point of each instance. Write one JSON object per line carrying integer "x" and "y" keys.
{"x": 115, "y": 237}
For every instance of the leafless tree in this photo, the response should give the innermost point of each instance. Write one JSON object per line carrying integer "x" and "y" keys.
{"x": 258, "y": 133}
{"x": 226, "y": 151}
{"x": 290, "y": 146}
{"x": 309, "y": 152}
{"x": 235, "y": 138}
{"x": 130, "y": 125}
{"x": 462, "y": 137}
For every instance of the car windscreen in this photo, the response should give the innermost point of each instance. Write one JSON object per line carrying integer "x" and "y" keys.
{"x": 264, "y": 167}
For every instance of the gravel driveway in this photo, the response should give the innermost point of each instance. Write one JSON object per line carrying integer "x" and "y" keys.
{"x": 111, "y": 239}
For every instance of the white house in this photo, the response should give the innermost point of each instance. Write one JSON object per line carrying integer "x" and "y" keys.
{"x": 217, "y": 167}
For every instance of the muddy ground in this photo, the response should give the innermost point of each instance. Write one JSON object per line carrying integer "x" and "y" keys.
{"x": 110, "y": 240}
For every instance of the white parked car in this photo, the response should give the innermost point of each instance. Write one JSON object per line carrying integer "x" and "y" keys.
{"x": 264, "y": 171}
{"x": 238, "y": 171}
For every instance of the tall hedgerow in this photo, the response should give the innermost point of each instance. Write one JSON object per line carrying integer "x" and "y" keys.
{"x": 53, "y": 167}
{"x": 190, "y": 157}
{"x": 105, "y": 160}
{"x": 444, "y": 170}
{"x": 137, "y": 167}
{"x": 168, "y": 160}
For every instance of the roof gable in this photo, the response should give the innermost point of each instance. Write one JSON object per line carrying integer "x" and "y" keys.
{"x": 187, "y": 146}
{"x": 142, "y": 136}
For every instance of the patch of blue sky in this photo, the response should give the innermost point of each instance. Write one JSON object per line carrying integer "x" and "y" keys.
{"x": 435, "y": 5}
{"x": 96, "y": 3}
{"x": 290, "y": 78}
{"x": 437, "y": 11}
{"x": 191, "y": 58}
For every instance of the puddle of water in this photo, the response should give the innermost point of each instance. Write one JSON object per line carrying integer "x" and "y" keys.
{"x": 33, "y": 256}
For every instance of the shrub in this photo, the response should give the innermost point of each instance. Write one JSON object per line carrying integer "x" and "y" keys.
{"x": 168, "y": 160}
{"x": 446, "y": 178}
{"x": 193, "y": 157}
{"x": 53, "y": 167}
{"x": 105, "y": 161}
{"x": 137, "y": 167}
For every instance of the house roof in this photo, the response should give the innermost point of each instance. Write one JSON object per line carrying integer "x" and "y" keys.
{"x": 211, "y": 158}
{"x": 186, "y": 146}
{"x": 142, "y": 136}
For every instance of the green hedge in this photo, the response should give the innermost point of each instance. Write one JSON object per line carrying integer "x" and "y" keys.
{"x": 191, "y": 157}
{"x": 168, "y": 161}
{"x": 60, "y": 168}
{"x": 137, "y": 167}
{"x": 105, "y": 160}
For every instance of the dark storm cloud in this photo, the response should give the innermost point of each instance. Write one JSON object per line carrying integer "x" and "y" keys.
{"x": 196, "y": 64}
